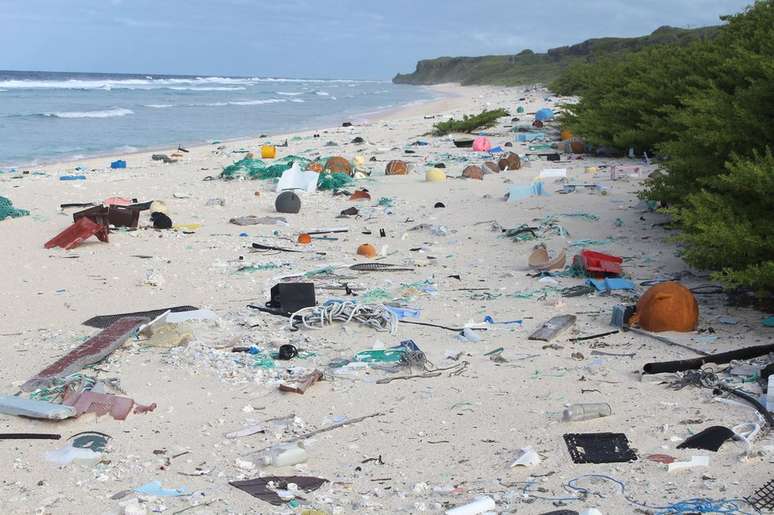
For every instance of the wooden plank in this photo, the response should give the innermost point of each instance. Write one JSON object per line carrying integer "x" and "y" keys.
{"x": 303, "y": 384}
{"x": 552, "y": 328}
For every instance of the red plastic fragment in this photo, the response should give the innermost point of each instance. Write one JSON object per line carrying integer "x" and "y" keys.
{"x": 598, "y": 264}
{"x": 78, "y": 232}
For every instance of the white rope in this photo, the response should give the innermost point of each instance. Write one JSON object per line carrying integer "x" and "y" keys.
{"x": 374, "y": 315}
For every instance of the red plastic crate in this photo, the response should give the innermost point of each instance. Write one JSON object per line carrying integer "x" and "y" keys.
{"x": 599, "y": 264}
{"x": 78, "y": 232}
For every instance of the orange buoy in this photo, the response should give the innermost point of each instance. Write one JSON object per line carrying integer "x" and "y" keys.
{"x": 304, "y": 239}
{"x": 338, "y": 164}
{"x": 366, "y": 250}
{"x": 667, "y": 306}
{"x": 396, "y": 167}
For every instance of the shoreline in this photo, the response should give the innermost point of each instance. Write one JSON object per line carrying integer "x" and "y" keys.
{"x": 446, "y": 91}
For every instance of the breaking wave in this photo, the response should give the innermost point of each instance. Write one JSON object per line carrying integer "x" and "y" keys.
{"x": 108, "y": 113}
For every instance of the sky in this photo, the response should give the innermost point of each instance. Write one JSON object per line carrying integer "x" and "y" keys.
{"x": 359, "y": 39}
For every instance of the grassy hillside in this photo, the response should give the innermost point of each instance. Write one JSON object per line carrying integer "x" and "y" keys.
{"x": 529, "y": 67}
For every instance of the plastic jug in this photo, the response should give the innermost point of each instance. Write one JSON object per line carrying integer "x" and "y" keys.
{"x": 285, "y": 455}
{"x": 578, "y": 412}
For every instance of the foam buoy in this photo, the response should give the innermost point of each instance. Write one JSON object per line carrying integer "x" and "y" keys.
{"x": 396, "y": 167}
{"x": 268, "y": 151}
{"x": 435, "y": 175}
{"x": 304, "y": 239}
{"x": 366, "y": 250}
{"x": 473, "y": 172}
{"x": 338, "y": 164}
{"x": 287, "y": 202}
{"x": 667, "y": 306}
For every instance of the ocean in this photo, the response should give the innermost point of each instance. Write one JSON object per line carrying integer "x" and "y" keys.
{"x": 48, "y": 116}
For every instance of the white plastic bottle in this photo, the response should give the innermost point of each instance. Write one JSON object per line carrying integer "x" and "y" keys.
{"x": 284, "y": 455}
{"x": 578, "y": 412}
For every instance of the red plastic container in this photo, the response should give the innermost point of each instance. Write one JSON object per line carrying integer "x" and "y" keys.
{"x": 598, "y": 264}
{"x": 74, "y": 235}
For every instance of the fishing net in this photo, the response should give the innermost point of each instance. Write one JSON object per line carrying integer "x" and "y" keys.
{"x": 8, "y": 211}
{"x": 251, "y": 168}
{"x": 256, "y": 169}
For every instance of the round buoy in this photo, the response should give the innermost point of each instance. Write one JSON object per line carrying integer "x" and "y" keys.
{"x": 435, "y": 175}
{"x": 287, "y": 202}
{"x": 396, "y": 167}
{"x": 473, "y": 172}
{"x": 366, "y": 250}
{"x": 304, "y": 239}
{"x": 338, "y": 164}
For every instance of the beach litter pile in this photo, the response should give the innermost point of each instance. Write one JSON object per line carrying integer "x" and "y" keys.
{"x": 450, "y": 328}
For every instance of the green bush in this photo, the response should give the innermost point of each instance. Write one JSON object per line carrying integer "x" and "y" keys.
{"x": 707, "y": 110}
{"x": 729, "y": 228}
{"x": 469, "y": 123}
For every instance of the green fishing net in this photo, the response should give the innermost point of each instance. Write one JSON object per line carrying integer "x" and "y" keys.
{"x": 8, "y": 211}
{"x": 333, "y": 181}
{"x": 257, "y": 169}
{"x": 251, "y": 168}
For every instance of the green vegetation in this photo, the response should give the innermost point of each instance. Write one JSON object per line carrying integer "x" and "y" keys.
{"x": 469, "y": 123}
{"x": 529, "y": 67}
{"x": 707, "y": 110}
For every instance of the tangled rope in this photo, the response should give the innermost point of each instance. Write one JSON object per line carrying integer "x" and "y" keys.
{"x": 374, "y": 315}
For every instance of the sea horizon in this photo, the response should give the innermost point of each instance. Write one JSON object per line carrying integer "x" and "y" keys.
{"x": 50, "y": 116}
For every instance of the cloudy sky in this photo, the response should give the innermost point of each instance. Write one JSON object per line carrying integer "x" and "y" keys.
{"x": 366, "y": 39}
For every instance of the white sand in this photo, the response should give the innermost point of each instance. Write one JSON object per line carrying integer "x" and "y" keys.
{"x": 443, "y": 440}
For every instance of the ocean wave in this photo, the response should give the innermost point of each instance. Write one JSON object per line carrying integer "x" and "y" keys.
{"x": 290, "y": 93}
{"x": 194, "y": 88}
{"x": 256, "y": 102}
{"x": 297, "y": 100}
{"x": 107, "y": 113}
{"x": 159, "y": 106}
{"x": 161, "y": 83}
{"x": 322, "y": 93}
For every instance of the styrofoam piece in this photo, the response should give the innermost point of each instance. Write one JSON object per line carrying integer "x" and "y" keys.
{"x": 198, "y": 314}
{"x": 695, "y": 461}
{"x": 11, "y": 405}
{"x": 528, "y": 458}
{"x": 478, "y": 506}
{"x": 553, "y": 172}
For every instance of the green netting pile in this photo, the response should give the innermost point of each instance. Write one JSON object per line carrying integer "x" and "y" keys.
{"x": 333, "y": 181}
{"x": 257, "y": 169}
{"x": 8, "y": 211}
{"x": 250, "y": 168}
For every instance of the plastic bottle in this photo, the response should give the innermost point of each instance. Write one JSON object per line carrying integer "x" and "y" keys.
{"x": 284, "y": 455}
{"x": 578, "y": 412}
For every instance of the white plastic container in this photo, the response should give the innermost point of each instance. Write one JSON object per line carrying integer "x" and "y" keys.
{"x": 578, "y": 412}
{"x": 285, "y": 455}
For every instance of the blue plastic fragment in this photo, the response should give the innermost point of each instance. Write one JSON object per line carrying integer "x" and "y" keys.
{"x": 610, "y": 283}
{"x": 155, "y": 488}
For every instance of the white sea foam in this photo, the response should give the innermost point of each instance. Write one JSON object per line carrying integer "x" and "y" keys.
{"x": 199, "y": 83}
{"x": 108, "y": 113}
{"x": 290, "y": 93}
{"x": 159, "y": 106}
{"x": 322, "y": 93}
{"x": 257, "y": 102}
{"x": 297, "y": 100}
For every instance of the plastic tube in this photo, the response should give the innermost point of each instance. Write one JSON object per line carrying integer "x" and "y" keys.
{"x": 718, "y": 359}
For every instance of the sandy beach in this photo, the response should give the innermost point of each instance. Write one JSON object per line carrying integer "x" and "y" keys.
{"x": 438, "y": 441}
